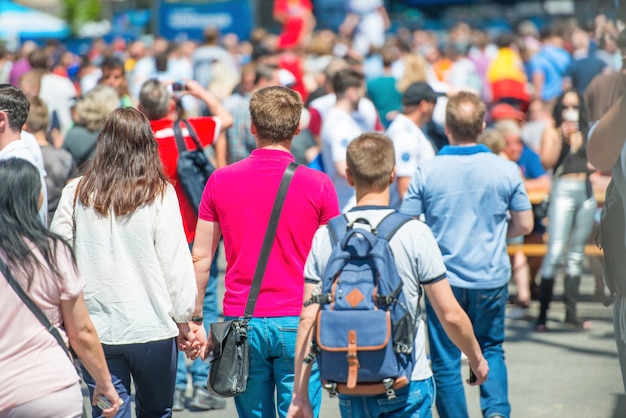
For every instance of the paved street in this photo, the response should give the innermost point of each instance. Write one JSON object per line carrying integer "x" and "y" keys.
{"x": 562, "y": 373}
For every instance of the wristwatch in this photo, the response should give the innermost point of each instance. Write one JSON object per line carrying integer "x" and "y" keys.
{"x": 197, "y": 320}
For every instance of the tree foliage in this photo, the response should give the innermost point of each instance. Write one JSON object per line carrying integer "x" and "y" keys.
{"x": 79, "y": 12}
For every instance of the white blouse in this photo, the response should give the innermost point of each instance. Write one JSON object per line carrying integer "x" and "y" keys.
{"x": 138, "y": 270}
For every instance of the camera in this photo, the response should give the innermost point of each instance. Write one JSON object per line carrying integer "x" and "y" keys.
{"x": 179, "y": 86}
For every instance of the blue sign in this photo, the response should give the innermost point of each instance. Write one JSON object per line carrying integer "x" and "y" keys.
{"x": 187, "y": 20}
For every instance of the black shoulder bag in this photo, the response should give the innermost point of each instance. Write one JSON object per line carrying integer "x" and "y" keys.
{"x": 228, "y": 375}
{"x": 193, "y": 167}
{"x": 4, "y": 269}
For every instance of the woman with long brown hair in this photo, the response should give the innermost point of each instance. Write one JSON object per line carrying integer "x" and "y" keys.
{"x": 123, "y": 219}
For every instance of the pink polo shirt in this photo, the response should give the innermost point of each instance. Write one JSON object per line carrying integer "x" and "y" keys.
{"x": 240, "y": 197}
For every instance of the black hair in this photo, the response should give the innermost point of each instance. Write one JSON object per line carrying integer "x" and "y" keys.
{"x": 20, "y": 226}
{"x": 583, "y": 118}
{"x": 16, "y": 104}
{"x": 345, "y": 79}
{"x": 111, "y": 63}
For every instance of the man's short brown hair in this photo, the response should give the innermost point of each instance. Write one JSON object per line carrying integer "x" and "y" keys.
{"x": 37, "y": 120}
{"x": 371, "y": 158}
{"x": 275, "y": 112}
{"x": 465, "y": 116}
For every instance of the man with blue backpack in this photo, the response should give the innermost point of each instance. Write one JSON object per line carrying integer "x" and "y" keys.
{"x": 361, "y": 319}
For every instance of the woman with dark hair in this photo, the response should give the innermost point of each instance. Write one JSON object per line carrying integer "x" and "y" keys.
{"x": 572, "y": 204}
{"x": 124, "y": 220}
{"x": 38, "y": 378}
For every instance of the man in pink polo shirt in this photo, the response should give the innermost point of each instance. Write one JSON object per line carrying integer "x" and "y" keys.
{"x": 237, "y": 203}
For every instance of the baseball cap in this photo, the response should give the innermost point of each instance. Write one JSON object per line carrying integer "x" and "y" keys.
{"x": 506, "y": 111}
{"x": 418, "y": 92}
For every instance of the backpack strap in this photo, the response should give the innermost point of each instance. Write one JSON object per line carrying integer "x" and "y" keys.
{"x": 391, "y": 223}
{"x": 337, "y": 228}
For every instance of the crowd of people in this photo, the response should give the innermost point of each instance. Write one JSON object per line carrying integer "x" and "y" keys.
{"x": 95, "y": 219}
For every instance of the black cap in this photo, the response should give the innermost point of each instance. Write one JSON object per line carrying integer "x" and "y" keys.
{"x": 418, "y": 92}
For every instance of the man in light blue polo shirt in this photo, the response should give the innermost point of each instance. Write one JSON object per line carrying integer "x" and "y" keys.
{"x": 472, "y": 200}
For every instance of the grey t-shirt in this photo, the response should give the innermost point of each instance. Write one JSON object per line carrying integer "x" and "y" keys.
{"x": 60, "y": 167}
{"x": 418, "y": 259}
{"x": 81, "y": 143}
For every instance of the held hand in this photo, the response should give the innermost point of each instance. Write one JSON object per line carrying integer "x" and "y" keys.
{"x": 188, "y": 341}
{"x": 108, "y": 391}
{"x": 481, "y": 370}
{"x": 300, "y": 408}
{"x": 186, "y": 337}
{"x": 200, "y": 345}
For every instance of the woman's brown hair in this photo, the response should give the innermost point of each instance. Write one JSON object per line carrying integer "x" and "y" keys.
{"x": 126, "y": 172}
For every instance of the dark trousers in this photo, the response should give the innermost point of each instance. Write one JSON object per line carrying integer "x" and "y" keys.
{"x": 152, "y": 366}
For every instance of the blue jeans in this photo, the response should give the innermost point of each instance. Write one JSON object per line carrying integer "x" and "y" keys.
{"x": 272, "y": 343}
{"x": 486, "y": 309}
{"x": 199, "y": 369}
{"x": 412, "y": 401}
{"x": 152, "y": 366}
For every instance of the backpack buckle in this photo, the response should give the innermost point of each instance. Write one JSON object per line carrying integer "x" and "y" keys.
{"x": 312, "y": 353}
{"x": 322, "y": 299}
{"x": 389, "y": 391}
{"x": 331, "y": 388}
{"x": 402, "y": 348}
{"x": 385, "y": 299}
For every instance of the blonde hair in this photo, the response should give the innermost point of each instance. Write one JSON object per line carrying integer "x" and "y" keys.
{"x": 493, "y": 140}
{"x": 508, "y": 127}
{"x": 414, "y": 70}
{"x": 96, "y": 106}
{"x": 370, "y": 157}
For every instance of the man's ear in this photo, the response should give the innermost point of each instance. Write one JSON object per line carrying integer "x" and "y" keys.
{"x": 4, "y": 122}
{"x": 392, "y": 177}
{"x": 252, "y": 129}
{"x": 349, "y": 177}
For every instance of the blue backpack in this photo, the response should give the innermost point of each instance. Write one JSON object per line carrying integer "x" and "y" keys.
{"x": 364, "y": 333}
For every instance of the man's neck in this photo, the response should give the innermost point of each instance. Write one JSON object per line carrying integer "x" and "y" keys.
{"x": 372, "y": 198}
{"x": 41, "y": 139}
{"x": 8, "y": 138}
{"x": 418, "y": 118}
{"x": 346, "y": 106}
{"x": 463, "y": 144}
{"x": 282, "y": 146}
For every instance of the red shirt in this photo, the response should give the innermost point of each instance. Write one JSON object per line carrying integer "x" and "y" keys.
{"x": 240, "y": 198}
{"x": 207, "y": 129}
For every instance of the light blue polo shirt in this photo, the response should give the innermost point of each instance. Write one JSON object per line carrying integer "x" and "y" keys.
{"x": 465, "y": 194}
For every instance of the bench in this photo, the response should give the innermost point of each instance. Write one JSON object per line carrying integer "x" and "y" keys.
{"x": 539, "y": 250}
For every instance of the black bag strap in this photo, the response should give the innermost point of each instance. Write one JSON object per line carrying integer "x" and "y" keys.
{"x": 178, "y": 135}
{"x": 268, "y": 241}
{"x": 4, "y": 269}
